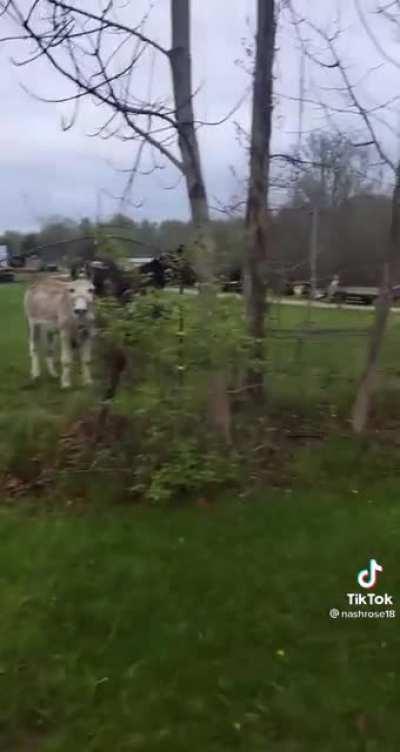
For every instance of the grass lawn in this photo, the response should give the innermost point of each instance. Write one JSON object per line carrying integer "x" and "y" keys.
{"x": 198, "y": 629}
{"x": 201, "y": 628}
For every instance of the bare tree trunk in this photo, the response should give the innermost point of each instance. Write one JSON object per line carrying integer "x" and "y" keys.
{"x": 362, "y": 404}
{"x": 181, "y": 66}
{"x": 257, "y": 202}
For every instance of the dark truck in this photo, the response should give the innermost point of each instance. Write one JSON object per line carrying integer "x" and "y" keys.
{"x": 6, "y": 275}
{"x": 362, "y": 295}
{"x": 356, "y": 295}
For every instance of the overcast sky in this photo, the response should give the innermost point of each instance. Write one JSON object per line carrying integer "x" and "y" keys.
{"x": 45, "y": 171}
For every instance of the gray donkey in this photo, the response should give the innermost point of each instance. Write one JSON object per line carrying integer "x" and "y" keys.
{"x": 53, "y": 306}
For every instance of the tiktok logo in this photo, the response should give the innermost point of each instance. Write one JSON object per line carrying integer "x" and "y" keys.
{"x": 367, "y": 577}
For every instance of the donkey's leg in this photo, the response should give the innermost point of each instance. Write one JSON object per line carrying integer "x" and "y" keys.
{"x": 50, "y": 344}
{"x": 66, "y": 360}
{"x": 34, "y": 349}
{"x": 86, "y": 359}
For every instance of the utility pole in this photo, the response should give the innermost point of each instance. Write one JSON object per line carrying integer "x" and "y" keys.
{"x": 302, "y": 86}
{"x": 314, "y": 250}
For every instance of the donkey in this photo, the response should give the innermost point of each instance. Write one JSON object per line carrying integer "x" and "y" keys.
{"x": 53, "y": 306}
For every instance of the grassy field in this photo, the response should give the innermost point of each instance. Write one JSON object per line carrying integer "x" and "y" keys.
{"x": 205, "y": 628}
{"x": 308, "y": 353}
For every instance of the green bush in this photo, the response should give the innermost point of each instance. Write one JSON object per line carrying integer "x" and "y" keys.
{"x": 185, "y": 473}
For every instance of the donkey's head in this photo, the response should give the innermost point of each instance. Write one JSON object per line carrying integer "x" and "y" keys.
{"x": 81, "y": 293}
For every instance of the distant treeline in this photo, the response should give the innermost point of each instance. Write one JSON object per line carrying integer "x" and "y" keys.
{"x": 351, "y": 240}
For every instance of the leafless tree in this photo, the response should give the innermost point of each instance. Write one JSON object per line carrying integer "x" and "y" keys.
{"x": 370, "y": 135}
{"x": 257, "y": 200}
{"x": 336, "y": 170}
{"x": 100, "y": 54}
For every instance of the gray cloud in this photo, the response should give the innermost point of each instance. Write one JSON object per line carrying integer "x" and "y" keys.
{"x": 46, "y": 171}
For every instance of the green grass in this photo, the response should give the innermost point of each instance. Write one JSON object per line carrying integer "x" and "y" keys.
{"x": 201, "y": 628}
{"x": 198, "y": 629}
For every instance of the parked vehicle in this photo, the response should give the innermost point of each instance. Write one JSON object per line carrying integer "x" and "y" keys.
{"x": 6, "y": 275}
{"x": 396, "y": 294}
{"x": 232, "y": 282}
{"x": 49, "y": 268}
{"x": 356, "y": 295}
